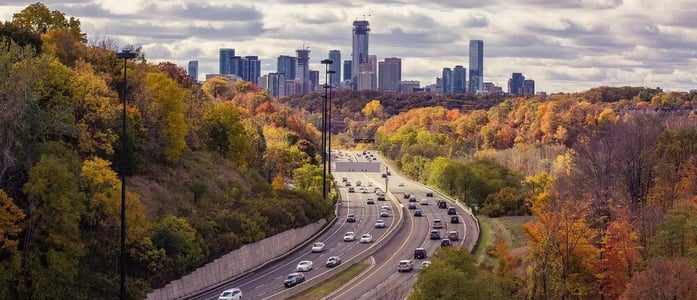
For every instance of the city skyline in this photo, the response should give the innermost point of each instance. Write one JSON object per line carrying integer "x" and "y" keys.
{"x": 564, "y": 45}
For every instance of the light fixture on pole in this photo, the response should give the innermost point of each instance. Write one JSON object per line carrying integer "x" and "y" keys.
{"x": 125, "y": 54}
{"x": 329, "y": 123}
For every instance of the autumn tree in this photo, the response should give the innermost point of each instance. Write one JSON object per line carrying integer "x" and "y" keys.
{"x": 372, "y": 109}
{"x": 39, "y": 19}
{"x": 225, "y": 132}
{"x": 163, "y": 113}
{"x": 664, "y": 278}
{"x": 620, "y": 259}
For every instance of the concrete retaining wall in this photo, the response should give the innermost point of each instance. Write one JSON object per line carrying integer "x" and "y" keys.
{"x": 236, "y": 263}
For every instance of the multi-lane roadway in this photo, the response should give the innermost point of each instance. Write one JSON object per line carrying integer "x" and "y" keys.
{"x": 402, "y": 234}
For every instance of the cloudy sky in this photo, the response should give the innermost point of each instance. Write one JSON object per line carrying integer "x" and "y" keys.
{"x": 564, "y": 45}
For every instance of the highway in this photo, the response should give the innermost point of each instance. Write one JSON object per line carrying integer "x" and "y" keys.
{"x": 390, "y": 244}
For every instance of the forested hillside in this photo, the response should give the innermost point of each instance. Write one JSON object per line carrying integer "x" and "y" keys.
{"x": 207, "y": 165}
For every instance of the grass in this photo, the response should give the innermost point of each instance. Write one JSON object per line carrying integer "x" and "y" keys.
{"x": 508, "y": 229}
{"x": 331, "y": 284}
{"x": 486, "y": 239}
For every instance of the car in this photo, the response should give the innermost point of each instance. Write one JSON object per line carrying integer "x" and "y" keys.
{"x": 412, "y": 199}
{"x": 304, "y": 266}
{"x": 366, "y": 238}
{"x": 442, "y": 203}
{"x": 348, "y": 184}
{"x": 425, "y": 264}
{"x": 231, "y": 294}
{"x": 412, "y": 205}
{"x": 454, "y": 220}
{"x": 453, "y": 235}
{"x": 351, "y": 190}
{"x": 407, "y": 196}
{"x": 424, "y": 202}
{"x": 384, "y": 214}
{"x": 417, "y": 213}
{"x": 370, "y": 184}
{"x": 429, "y": 194}
{"x": 349, "y": 236}
{"x": 452, "y": 211}
{"x": 318, "y": 247}
{"x": 358, "y": 183}
{"x": 344, "y": 179}
{"x": 351, "y": 218}
{"x": 405, "y": 266}
{"x": 437, "y": 224}
{"x": 401, "y": 184}
{"x": 364, "y": 191}
{"x": 445, "y": 243}
{"x": 333, "y": 261}
{"x": 293, "y": 279}
{"x": 419, "y": 253}
{"x": 384, "y": 175}
{"x": 435, "y": 235}
{"x": 381, "y": 197}
{"x": 370, "y": 201}
{"x": 385, "y": 207}
{"x": 380, "y": 223}
{"x": 377, "y": 190}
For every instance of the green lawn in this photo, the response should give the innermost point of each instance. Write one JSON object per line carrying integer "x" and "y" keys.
{"x": 508, "y": 229}
{"x": 333, "y": 283}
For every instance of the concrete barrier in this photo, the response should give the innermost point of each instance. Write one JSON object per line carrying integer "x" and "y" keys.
{"x": 237, "y": 263}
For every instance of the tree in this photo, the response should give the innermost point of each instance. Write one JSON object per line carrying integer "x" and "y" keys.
{"x": 20, "y": 36}
{"x": 620, "y": 259}
{"x": 37, "y": 18}
{"x": 10, "y": 219}
{"x": 52, "y": 245}
{"x": 163, "y": 112}
{"x": 664, "y": 278}
{"x": 226, "y": 132}
{"x": 372, "y": 109}
{"x": 308, "y": 178}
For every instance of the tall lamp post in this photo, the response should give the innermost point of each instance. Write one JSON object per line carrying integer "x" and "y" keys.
{"x": 326, "y": 63}
{"x": 329, "y": 124}
{"x": 125, "y": 54}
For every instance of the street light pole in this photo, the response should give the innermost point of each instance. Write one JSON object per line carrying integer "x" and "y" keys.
{"x": 326, "y": 63}
{"x": 126, "y": 54}
{"x": 329, "y": 122}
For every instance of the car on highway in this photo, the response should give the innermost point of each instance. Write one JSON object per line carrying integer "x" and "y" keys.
{"x": 454, "y": 220}
{"x": 424, "y": 202}
{"x": 344, "y": 179}
{"x": 412, "y": 199}
{"x": 435, "y": 235}
{"x": 377, "y": 190}
{"x": 452, "y": 211}
{"x": 351, "y": 190}
{"x": 401, "y": 184}
{"x": 445, "y": 243}
{"x": 442, "y": 203}
{"x": 419, "y": 253}
{"x": 349, "y": 236}
{"x": 405, "y": 266}
{"x": 384, "y": 213}
{"x": 304, "y": 266}
{"x": 333, "y": 261}
{"x": 407, "y": 196}
{"x": 366, "y": 238}
{"x": 370, "y": 201}
{"x": 231, "y": 294}
{"x": 417, "y": 213}
{"x": 437, "y": 224}
{"x": 293, "y": 279}
{"x": 384, "y": 175}
{"x": 380, "y": 223}
{"x": 348, "y": 184}
{"x": 358, "y": 183}
{"x": 381, "y": 197}
{"x": 453, "y": 235}
{"x": 318, "y": 247}
{"x": 351, "y": 218}
{"x": 364, "y": 190}
{"x": 412, "y": 205}
{"x": 429, "y": 194}
{"x": 385, "y": 207}
{"x": 425, "y": 264}
{"x": 370, "y": 184}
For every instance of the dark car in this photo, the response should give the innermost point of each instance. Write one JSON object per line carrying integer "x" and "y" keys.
{"x": 454, "y": 220}
{"x": 406, "y": 195}
{"x": 417, "y": 213}
{"x": 442, "y": 204}
{"x": 429, "y": 194}
{"x": 370, "y": 201}
{"x": 412, "y": 205}
{"x": 384, "y": 175}
{"x": 445, "y": 243}
{"x": 333, "y": 261}
{"x": 381, "y": 197}
{"x": 420, "y": 253}
{"x": 435, "y": 235}
{"x": 452, "y": 211}
{"x": 293, "y": 279}
{"x": 351, "y": 218}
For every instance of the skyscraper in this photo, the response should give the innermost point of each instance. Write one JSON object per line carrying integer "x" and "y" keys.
{"x": 302, "y": 69}
{"x": 335, "y": 57}
{"x": 390, "y": 74}
{"x": 476, "y": 66}
{"x": 515, "y": 84}
{"x": 347, "y": 70}
{"x": 193, "y": 69}
{"x": 447, "y": 83}
{"x": 250, "y": 68}
{"x": 459, "y": 80}
{"x": 360, "y": 51}
{"x": 529, "y": 87}
{"x": 314, "y": 80}
{"x": 226, "y": 55}
{"x": 276, "y": 84}
{"x": 286, "y": 64}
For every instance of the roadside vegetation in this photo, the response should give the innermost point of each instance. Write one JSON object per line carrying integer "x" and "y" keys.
{"x": 338, "y": 280}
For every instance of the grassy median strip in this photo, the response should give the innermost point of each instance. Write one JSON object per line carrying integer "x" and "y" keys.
{"x": 333, "y": 283}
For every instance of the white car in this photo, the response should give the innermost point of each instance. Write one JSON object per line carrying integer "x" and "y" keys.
{"x": 400, "y": 184}
{"x": 384, "y": 213}
{"x": 380, "y": 223}
{"x": 385, "y": 207}
{"x": 349, "y": 236}
{"x": 318, "y": 247}
{"x": 366, "y": 238}
{"x": 424, "y": 201}
{"x": 304, "y": 266}
{"x": 231, "y": 294}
